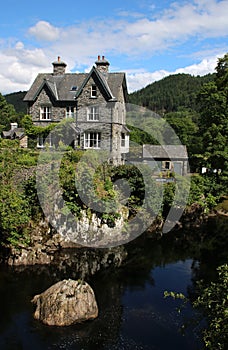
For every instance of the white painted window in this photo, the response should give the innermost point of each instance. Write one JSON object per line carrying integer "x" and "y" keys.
{"x": 93, "y": 114}
{"x": 42, "y": 141}
{"x": 45, "y": 113}
{"x": 93, "y": 91}
{"x": 70, "y": 112}
{"x": 123, "y": 139}
{"x": 92, "y": 140}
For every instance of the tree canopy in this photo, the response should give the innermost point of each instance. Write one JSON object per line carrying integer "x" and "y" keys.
{"x": 213, "y": 107}
{"x": 7, "y": 114}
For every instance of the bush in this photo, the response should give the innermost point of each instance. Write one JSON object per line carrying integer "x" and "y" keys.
{"x": 213, "y": 301}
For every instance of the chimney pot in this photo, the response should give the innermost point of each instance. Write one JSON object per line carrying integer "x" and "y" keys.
{"x": 13, "y": 126}
{"x": 58, "y": 58}
{"x": 102, "y": 64}
{"x": 98, "y": 57}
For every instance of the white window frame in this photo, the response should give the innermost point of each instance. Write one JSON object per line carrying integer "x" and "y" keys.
{"x": 45, "y": 113}
{"x": 93, "y": 114}
{"x": 93, "y": 91}
{"x": 92, "y": 140}
{"x": 123, "y": 139}
{"x": 70, "y": 112}
{"x": 42, "y": 141}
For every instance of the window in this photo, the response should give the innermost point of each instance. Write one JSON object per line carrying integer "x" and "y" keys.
{"x": 92, "y": 140}
{"x": 167, "y": 165}
{"x": 93, "y": 91}
{"x": 123, "y": 139}
{"x": 42, "y": 141}
{"x": 70, "y": 112}
{"x": 93, "y": 114}
{"x": 45, "y": 113}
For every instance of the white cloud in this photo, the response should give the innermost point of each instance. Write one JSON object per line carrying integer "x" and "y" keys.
{"x": 19, "y": 67}
{"x": 136, "y": 81}
{"x": 19, "y": 45}
{"x": 199, "y": 19}
{"x": 133, "y": 37}
{"x": 44, "y": 31}
{"x": 204, "y": 67}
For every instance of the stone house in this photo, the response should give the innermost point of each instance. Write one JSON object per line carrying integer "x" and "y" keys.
{"x": 95, "y": 100}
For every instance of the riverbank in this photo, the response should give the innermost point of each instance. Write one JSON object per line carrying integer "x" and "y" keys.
{"x": 50, "y": 248}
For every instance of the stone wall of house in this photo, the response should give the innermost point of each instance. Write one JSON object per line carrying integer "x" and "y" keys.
{"x": 110, "y": 136}
{"x": 58, "y": 110}
{"x": 111, "y": 117}
{"x": 85, "y": 98}
{"x": 24, "y": 142}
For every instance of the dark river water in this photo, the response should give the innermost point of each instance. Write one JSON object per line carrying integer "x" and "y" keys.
{"x": 133, "y": 313}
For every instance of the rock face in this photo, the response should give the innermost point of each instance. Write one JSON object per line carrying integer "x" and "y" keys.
{"x": 65, "y": 303}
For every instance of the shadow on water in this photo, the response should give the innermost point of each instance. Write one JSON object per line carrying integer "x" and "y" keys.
{"x": 133, "y": 313}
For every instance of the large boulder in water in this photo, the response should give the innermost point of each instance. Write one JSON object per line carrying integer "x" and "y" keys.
{"x": 65, "y": 303}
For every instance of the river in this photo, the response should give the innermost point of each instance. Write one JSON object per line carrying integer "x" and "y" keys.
{"x": 133, "y": 313}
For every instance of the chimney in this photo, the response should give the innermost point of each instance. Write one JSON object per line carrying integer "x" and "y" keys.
{"x": 59, "y": 67}
{"x": 13, "y": 126}
{"x": 102, "y": 64}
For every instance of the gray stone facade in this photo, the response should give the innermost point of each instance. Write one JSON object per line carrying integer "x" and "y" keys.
{"x": 95, "y": 100}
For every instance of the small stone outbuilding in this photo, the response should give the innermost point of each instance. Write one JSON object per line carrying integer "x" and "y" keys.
{"x": 166, "y": 158}
{"x": 16, "y": 133}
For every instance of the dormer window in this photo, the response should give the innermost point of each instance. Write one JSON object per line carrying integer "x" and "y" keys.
{"x": 93, "y": 91}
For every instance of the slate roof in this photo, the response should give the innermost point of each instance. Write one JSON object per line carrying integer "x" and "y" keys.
{"x": 165, "y": 152}
{"x": 61, "y": 85}
{"x": 16, "y": 133}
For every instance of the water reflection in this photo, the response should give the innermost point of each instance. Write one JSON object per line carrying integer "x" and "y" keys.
{"x": 132, "y": 311}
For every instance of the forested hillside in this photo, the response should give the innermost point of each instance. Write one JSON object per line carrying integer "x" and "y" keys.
{"x": 175, "y": 98}
{"x": 16, "y": 99}
{"x": 197, "y": 109}
{"x": 171, "y": 93}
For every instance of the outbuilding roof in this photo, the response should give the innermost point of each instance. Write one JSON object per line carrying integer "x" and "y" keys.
{"x": 16, "y": 133}
{"x": 165, "y": 152}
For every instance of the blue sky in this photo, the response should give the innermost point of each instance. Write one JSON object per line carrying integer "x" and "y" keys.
{"x": 146, "y": 39}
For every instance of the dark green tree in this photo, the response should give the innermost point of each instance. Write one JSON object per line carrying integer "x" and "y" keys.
{"x": 7, "y": 114}
{"x": 213, "y": 104}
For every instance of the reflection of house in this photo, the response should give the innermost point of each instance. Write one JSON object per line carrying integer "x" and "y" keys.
{"x": 16, "y": 133}
{"x": 95, "y": 100}
{"x": 167, "y": 158}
